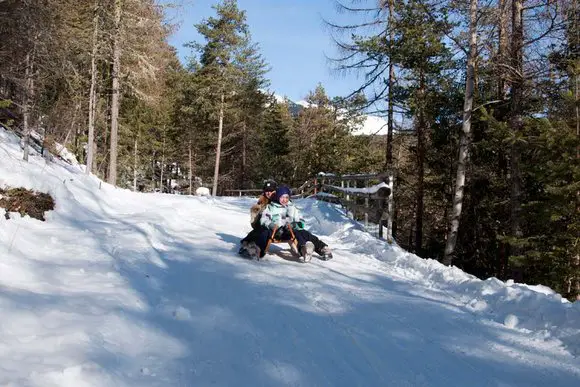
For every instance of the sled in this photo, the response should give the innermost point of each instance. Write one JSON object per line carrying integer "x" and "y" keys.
{"x": 293, "y": 242}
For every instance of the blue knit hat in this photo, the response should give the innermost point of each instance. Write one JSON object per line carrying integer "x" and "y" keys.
{"x": 283, "y": 191}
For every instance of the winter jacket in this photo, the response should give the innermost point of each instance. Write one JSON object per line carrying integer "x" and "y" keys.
{"x": 256, "y": 210}
{"x": 276, "y": 214}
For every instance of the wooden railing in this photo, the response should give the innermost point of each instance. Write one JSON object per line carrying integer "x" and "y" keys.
{"x": 243, "y": 192}
{"x": 306, "y": 189}
{"x": 368, "y": 197}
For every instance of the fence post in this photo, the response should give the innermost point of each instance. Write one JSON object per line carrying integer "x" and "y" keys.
{"x": 382, "y": 199}
{"x": 390, "y": 206}
{"x": 366, "y": 213}
{"x": 347, "y": 186}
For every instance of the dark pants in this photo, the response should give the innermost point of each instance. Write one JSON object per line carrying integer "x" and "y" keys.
{"x": 302, "y": 236}
{"x": 252, "y": 236}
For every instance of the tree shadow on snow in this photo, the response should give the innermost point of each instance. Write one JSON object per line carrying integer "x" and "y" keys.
{"x": 187, "y": 312}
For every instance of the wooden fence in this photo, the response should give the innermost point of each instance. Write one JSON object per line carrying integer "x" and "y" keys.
{"x": 368, "y": 197}
{"x": 306, "y": 189}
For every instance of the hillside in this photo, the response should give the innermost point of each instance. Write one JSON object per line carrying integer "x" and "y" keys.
{"x": 118, "y": 288}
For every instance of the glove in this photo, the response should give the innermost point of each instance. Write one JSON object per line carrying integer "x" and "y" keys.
{"x": 298, "y": 225}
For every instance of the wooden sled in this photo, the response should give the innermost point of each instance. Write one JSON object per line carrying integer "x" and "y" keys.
{"x": 292, "y": 242}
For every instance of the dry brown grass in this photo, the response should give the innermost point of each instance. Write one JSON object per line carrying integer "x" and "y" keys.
{"x": 25, "y": 202}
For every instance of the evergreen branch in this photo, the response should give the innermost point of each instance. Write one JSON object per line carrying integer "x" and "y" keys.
{"x": 341, "y": 7}
{"x": 434, "y": 19}
{"x": 355, "y": 26}
{"x": 487, "y": 103}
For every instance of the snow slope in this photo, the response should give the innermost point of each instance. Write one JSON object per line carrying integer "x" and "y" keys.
{"x": 122, "y": 289}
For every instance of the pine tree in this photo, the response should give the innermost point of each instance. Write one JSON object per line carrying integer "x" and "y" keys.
{"x": 229, "y": 76}
{"x": 465, "y": 141}
{"x": 225, "y": 35}
{"x": 276, "y": 143}
{"x": 320, "y": 138}
{"x": 249, "y": 107}
{"x": 424, "y": 57}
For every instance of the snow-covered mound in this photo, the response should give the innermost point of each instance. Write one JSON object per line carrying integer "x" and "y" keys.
{"x": 120, "y": 289}
{"x": 535, "y": 308}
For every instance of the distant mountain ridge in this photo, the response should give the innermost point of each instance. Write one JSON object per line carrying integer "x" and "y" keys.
{"x": 372, "y": 125}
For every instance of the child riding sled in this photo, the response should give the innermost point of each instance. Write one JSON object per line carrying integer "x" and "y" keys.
{"x": 282, "y": 216}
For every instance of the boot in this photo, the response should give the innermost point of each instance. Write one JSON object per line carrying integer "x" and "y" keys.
{"x": 306, "y": 251}
{"x": 243, "y": 248}
{"x": 253, "y": 250}
{"x": 325, "y": 253}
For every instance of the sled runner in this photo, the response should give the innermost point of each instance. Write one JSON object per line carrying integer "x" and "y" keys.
{"x": 286, "y": 237}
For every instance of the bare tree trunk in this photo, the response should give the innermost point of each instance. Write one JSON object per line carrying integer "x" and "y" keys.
{"x": 92, "y": 92}
{"x": 72, "y": 126}
{"x": 190, "y": 174}
{"x": 73, "y": 123}
{"x": 161, "y": 182}
{"x": 28, "y": 89}
{"x": 421, "y": 128}
{"x": 390, "y": 126}
{"x": 153, "y": 167}
{"x": 219, "y": 147}
{"x": 135, "y": 163}
{"x": 115, "y": 93}
{"x": 465, "y": 141}
{"x": 503, "y": 77}
{"x": 244, "y": 161}
{"x": 575, "y": 280}
{"x": 516, "y": 120}
{"x": 76, "y": 141}
{"x": 389, "y": 155}
{"x": 503, "y": 6}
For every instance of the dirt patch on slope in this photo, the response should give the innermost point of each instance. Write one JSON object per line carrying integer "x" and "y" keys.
{"x": 25, "y": 202}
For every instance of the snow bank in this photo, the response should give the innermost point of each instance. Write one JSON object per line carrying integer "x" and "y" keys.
{"x": 535, "y": 308}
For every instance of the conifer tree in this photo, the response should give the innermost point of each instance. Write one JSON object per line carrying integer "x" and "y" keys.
{"x": 276, "y": 142}
{"x": 424, "y": 58}
{"x": 225, "y": 34}
{"x": 230, "y": 71}
{"x": 249, "y": 107}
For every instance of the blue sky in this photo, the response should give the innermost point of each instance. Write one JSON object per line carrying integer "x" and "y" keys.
{"x": 292, "y": 38}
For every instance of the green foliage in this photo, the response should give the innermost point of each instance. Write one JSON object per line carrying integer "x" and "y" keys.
{"x": 226, "y": 43}
{"x": 229, "y": 66}
{"x": 321, "y": 136}
{"x": 275, "y": 143}
{"x": 552, "y": 215}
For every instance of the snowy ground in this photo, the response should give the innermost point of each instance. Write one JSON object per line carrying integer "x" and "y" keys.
{"x": 125, "y": 289}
